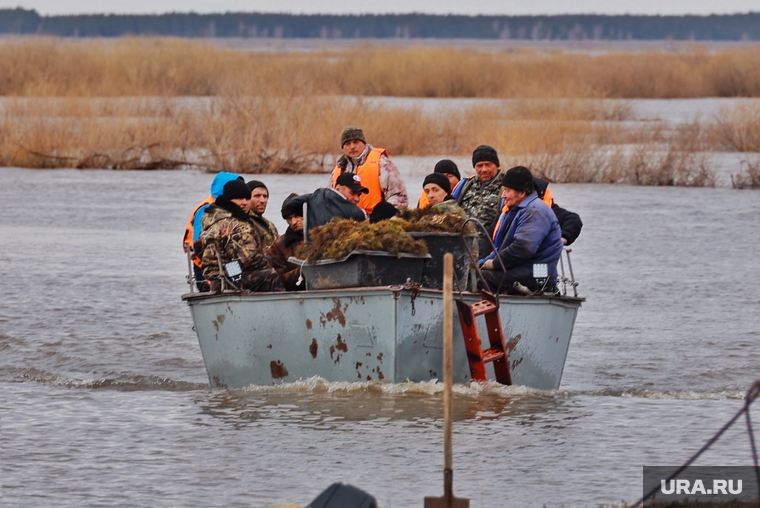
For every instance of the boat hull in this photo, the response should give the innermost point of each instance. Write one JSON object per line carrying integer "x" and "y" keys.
{"x": 362, "y": 334}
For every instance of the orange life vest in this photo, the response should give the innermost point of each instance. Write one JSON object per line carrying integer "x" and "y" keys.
{"x": 423, "y": 202}
{"x": 369, "y": 172}
{"x": 546, "y": 199}
{"x": 187, "y": 241}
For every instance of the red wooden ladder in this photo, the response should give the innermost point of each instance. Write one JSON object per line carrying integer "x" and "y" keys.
{"x": 497, "y": 352}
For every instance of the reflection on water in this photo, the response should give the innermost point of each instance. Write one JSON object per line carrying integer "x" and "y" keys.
{"x": 106, "y": 399}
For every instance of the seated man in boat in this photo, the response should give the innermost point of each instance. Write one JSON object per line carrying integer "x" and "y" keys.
{"x": 532, "y": 236}
{"x": 194, "y": 226}
{"x": 286, "y": 246}
{"x": 324, "y": 204}
{"x": 379, "y": 174}
{"x": 229, "y": 234}
{"x": 383, "y": 211}
{"x": 256, "y": 209}
{"x": 569, "y": 222}
{"x": 448, "y": 169}
{"x": 437, "y": 189}
{"x": 479, "y": 195}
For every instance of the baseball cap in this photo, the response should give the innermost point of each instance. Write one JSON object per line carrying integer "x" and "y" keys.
{"x": 352, "y": 181}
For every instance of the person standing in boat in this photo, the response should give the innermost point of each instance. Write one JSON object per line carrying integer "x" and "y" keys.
{"x": 229, "y": 234}
{"x": 286, "y": 246}
{"x": 479, "y": 195}
{"x": 447, "y": 168}
{"x": 325, "y": 203}
{"x": 194, "y": 226}
{"x": 378, "y": 174}
{"x": 532, "y": 236}
{"x": 256, "y": 208}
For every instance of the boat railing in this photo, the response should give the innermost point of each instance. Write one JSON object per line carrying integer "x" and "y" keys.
{"x": 565, "y": 280}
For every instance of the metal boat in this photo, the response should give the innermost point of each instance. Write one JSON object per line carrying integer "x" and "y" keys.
{"x": 386, "y": 333}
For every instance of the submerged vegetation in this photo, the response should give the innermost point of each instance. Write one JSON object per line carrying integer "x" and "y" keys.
{"x": 169, "y": 103}
{"x": 427, "y": 220}
{"x": 339, "y": 237}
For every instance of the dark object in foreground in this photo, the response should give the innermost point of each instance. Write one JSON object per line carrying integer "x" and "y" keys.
{"x": 448, "y": 500}
{"x": 339, "y": 495}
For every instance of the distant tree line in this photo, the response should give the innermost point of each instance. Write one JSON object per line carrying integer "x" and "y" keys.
{"x": 241, "y": 24}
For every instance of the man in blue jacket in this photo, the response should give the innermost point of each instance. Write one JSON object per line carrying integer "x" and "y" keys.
{"x": 533, "y": 236}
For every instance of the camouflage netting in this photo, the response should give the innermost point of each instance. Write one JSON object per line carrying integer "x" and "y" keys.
{"x": 339, "y": 237}
{"x": 431, "y": 221}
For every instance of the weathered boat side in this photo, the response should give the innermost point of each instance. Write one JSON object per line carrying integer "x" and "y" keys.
{"x": 383, "y": 333}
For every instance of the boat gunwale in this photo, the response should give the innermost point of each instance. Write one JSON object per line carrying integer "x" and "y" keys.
{"x": 193, "y": 298}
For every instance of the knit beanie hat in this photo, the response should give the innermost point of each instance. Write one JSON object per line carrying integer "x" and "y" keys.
{"x": 485, "y": 153}
{"x": 255, "y": 184}
{"x": 447, "y": 167}
{"x": 236, "y": 189}
{"x": 382, "y": 211}
{"x": 351, "y": 133}
{"x": 284, "y": 210}
{"x": 518, "y": 178}
{"x": 440, "y": 180}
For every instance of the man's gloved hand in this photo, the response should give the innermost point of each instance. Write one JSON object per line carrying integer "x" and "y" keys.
{"x": 488, "y": 265}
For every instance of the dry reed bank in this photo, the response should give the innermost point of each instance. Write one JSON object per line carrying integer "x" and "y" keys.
{"x": 163, "y": 103}
{"x": 48, "y": 67}
{"x": 563, "y": 140}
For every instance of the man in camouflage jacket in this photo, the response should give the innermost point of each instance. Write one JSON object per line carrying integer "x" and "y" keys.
{"x": 258, "y": 205}
{"x": 229, "y": 234}
{"x": 479, "y": 196}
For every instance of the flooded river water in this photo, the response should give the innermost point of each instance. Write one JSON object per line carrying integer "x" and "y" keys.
{"x": 105, "y": 400}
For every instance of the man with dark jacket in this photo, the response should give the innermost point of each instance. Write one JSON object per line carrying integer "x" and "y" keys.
{"x": 569, "y": 222}
{"x": 533, "y": 236}
{"x": 286, "y": 246}
{"x": 324, "y": 204}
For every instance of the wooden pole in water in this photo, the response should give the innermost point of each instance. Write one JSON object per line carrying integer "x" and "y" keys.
{"x": 448, "y": 500}
{"x": 448, "y": 362}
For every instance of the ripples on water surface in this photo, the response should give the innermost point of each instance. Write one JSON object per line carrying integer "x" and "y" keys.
{"x": 105, "y": 397}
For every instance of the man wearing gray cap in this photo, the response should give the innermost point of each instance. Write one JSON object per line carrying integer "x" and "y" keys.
{"x": 378, "y": 174}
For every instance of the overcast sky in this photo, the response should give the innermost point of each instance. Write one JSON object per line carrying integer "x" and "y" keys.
{"x": 508, "y": 7}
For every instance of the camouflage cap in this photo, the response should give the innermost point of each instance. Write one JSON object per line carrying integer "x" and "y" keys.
{"x": 350, "y": 133}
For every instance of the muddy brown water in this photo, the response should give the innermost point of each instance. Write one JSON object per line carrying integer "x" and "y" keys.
{"x": 105, "y": 400}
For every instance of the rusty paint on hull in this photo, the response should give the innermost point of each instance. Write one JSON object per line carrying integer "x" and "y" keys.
{"x": 370, "y": 333}
{"x": 313, "y": 348}
{"x": 278, "y": 369}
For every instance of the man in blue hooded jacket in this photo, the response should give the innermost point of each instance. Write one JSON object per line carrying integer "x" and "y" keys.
{"x": 194, "y": 227}
{"x": 533, "y": 236}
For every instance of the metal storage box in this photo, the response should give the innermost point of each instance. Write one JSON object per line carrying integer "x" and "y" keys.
{"x": 439, "y": 244}
{"x": 364, "y": 269}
